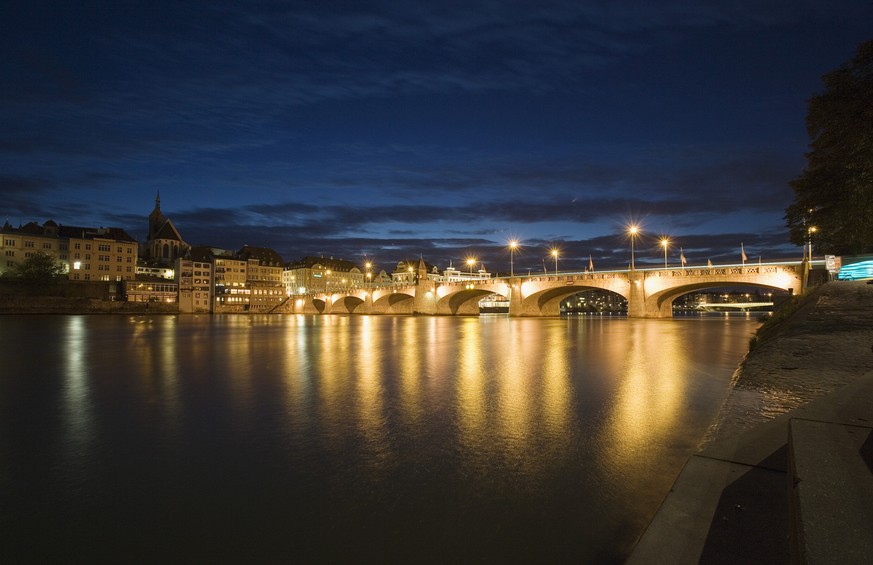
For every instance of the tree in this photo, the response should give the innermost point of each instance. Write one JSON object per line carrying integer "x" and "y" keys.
{"x": 38, "y": 269}
{"x": 833, "y": 197}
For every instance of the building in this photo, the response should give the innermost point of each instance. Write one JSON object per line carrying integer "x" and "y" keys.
{"x": 151, "y": 289}
{"x": 263, "y": 277}
{"x": 406, "y": 272}
{"x": 88, "y": 254}
{"x": 231, "y": 290}
{"x": 164, "y": 244}
{"x": 17, "y": 244}
{"x": 452, "y": 274}
{"x": 100, "y": 254}
{"x": 144, "y": 271}
{"x": 318, "y": 274}
{"x": 195, "y": 282}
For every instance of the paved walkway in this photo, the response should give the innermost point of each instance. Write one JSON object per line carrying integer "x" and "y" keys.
{"x": 788, "y": 471}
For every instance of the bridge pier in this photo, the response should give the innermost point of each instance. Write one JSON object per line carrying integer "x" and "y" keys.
{"x": 636, "y": 296}
{"x": 424, "y": 302}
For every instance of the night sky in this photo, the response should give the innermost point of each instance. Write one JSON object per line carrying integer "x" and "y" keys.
{"x": 440, "y": 129}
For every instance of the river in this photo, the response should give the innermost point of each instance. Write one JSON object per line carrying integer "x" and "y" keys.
{"x": 349, "y": 438}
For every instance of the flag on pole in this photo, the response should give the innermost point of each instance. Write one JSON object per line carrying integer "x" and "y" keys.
{"x": 682, "y": 256}
{"x": 709, "y": 263}
{"x": 590, "y": 264}
{"x": 743, "y": 252}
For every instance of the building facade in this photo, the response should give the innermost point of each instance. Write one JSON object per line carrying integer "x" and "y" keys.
{"x": 195, "y": 282}
{"x": 263, "y": 277}
{"x": 318, "y": 274}
{"x": 87, "y": 254}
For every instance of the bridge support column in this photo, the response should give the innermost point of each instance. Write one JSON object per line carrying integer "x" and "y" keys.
{"x": 425, "y": 293}
{"x": 636, "y": 297}
{"x": 515, "y": 297}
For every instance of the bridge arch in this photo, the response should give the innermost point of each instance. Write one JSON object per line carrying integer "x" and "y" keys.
{"x": 392, "y": 302}
{"x": 347, "y": 304}
{"x": 547, "y": 301}
{"x": 662, "y": 302}
{"x": 461, "y": 302}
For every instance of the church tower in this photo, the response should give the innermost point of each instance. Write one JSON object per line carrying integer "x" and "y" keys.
{"x": 164, "y": 244}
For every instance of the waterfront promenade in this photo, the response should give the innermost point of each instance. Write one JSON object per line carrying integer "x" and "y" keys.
{"x": 786, "y": 473}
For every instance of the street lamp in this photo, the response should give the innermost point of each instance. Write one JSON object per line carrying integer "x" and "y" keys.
{"x": 812, "y": 230}
{"x": 633, "y": 231}
{"x": 471, "y": 261}
{"x": 664, "y": 243}
{"x": 555, "y": 255}
{"x": 367, "y": 266}
{"x": 513, "y": 245}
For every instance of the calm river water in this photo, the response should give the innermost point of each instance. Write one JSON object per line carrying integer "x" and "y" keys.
{"x": 348, "y": 438}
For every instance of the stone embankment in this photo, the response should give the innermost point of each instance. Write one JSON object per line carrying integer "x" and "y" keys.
{"x": 23, "y": 304}
{"x": 786, "y": 474}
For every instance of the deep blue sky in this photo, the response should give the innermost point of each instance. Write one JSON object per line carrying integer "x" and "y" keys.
{"x": 393, "y": 129}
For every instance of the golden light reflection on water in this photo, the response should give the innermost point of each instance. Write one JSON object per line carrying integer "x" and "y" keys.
{"x": 505, "y": 427}
{"x": 470, "y": 385}
{"x": 370, "y": 393}
{"x": 407, "y": 343}
{"x": 652, "y": 382}
{"x": 78, "y": 405}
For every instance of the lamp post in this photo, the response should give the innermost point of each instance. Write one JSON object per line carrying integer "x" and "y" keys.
{"x": 812, "y": 230}
{"x": 664, "y": 243}
{"x": 633, "y": 231}
{"x": 513, "y": 245}
{"x": 555, "y": 255}
{"x": 470, "y": 263}
{"x": 367, "y": 266}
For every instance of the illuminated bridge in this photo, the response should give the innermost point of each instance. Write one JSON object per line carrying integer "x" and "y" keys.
{"x": 649, "y": 292}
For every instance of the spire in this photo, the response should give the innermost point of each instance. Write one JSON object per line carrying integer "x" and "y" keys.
{"x": 158, "y": 201}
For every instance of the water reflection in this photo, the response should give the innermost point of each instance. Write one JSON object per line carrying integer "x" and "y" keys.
{"x": 522, "y": 439}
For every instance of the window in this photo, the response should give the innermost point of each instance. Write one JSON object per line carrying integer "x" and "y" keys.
{"x": 10, "y": 253}
{"x": 9, "y": 242}
{"x": 87, "y": 247}
{"x": 104, "y": 247}
{"x": 77, "y": 245}
{"x": 28, "y": 244}
{"x": 46, "y": 245}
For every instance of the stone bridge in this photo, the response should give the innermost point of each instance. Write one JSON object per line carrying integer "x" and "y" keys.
{"x": 649, "y": 292}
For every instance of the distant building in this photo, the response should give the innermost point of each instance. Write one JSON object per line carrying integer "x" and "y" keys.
{"x": 164, "y": 244}
{"x": 452, "y": 274}
{"x": 151, "y": 289}
{"x": 264, "y": 268}
{"x": 195, "y": 282}
{"x": 231, "y": 289}
{"x": 320, "y": 274}
{"x": 88, "y": 254}
{"x": 406, "y": 271}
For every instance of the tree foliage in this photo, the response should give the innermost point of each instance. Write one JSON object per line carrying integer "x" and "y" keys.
{"x": 39, "y": 269}
{"x": 833, "y": 197}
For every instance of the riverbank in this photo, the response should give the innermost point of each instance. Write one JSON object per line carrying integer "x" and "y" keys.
{"x": 822, "y": 346}
{"x": 24, "y": 304}
{"x": 741, "y": 495}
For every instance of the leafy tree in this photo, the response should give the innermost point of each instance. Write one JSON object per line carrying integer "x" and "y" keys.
{"x": 833, "y": 197}
{"x": 39, "y": 269}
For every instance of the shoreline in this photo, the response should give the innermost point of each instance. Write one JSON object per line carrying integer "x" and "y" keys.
{"x": 822, "y": 346}
{"x": 738, "y": 499}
